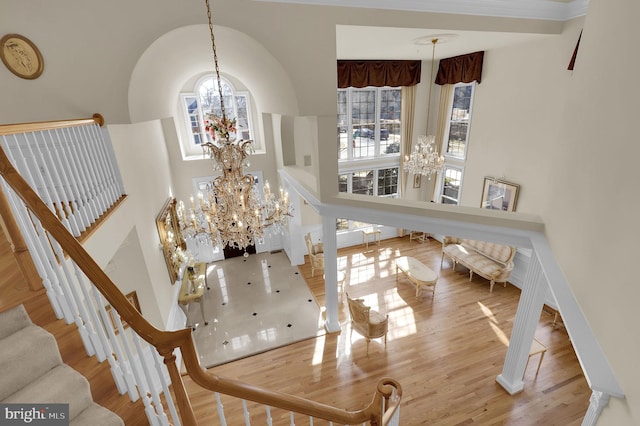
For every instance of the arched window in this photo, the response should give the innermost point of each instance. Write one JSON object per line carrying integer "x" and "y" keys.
{"x": 205, "y": 99}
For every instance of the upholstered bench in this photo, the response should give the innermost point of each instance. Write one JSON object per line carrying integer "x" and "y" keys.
{"x": 489, "y": 260}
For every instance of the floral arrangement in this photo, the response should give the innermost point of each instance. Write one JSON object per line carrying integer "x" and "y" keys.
{"x": 220, "y": 126}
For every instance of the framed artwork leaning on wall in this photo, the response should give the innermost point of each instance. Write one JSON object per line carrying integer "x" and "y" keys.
{"x": 498, "y": 194}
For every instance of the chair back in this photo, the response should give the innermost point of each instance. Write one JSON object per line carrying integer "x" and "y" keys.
{"x": 307, "y": 240}
{"x": 358, "y": 310}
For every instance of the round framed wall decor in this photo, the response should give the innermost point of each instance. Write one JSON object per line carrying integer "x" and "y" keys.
{"x": 21, "y": 56}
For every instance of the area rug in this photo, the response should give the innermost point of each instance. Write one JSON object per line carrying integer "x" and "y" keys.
{"x": 253, "y": 305}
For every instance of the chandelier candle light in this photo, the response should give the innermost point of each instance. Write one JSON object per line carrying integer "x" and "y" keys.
{"x": 229, "y": 210}
{"x": 425, "y": 160}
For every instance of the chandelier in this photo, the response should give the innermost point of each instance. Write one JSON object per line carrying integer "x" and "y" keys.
{"x": 229, "y": 210}
{"x": 424, "y": 159}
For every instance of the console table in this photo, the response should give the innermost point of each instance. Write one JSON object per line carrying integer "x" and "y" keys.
{"x": 192, "y": 291}
{"x": 368, "y": 232}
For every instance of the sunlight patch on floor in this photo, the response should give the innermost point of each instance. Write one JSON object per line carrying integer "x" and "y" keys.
{"x": 318, "y": 351}
{"x": 493, "y": 322}
{"x": 402, "y": 323}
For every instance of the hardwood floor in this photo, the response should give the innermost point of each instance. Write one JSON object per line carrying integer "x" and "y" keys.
{"x": 446, "y": 352}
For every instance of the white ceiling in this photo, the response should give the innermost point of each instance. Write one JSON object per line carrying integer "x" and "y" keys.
{"x": 367, "y": 42}
{"x": 556, "y": 10}
{"x": 358, "y": 42}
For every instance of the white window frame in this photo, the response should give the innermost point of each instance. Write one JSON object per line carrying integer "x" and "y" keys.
{"x": 375, "y": 170}
{"x": 387, "y": 158}
{"x": 191, "y": 148}
{"x": 441, "y": 188}
{"x": 452, "y": 161}
{"x": 449, "y": 121}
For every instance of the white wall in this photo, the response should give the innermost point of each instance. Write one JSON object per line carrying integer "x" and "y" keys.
{"x": 592, "y": 207}
{"x": 148, "y": 188}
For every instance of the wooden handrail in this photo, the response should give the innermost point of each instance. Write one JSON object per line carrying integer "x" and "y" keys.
{"x": 9, "y": 129}
{"x": 166, "y": 341}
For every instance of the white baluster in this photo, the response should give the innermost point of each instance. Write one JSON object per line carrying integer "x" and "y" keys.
{"x": 39, "y": 260}
{"x": 41, "y": 241}
{"x": 90, "y": 316}
{"x": 93, "y": 179}
{"x": 43, "y": 184}
{"x": 269, "y": 419}
{"x": 97, "y": 146}
{"x": 137, "y": 374}
{"x": 80, "y": 171}
{"x": 160, "y": 371}
{"x": 125, "y": 382}
{"x": 66, "y": 173}
{"x": 54, "y": 182}
{"x": 96, "y": 165}
{"x": 223, "y": 421}
{"x": 151, "y": 379}
{"x": 245, "y": 410}
{"x": 291, "y": 422}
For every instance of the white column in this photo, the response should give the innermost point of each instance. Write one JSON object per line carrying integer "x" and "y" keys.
{"x": 597, "y": 402}
{"x": 524, "y": 327}
{"x": 330, "y": 273}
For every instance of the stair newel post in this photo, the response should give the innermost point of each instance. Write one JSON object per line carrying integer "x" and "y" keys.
{"x": 184, "y": 404}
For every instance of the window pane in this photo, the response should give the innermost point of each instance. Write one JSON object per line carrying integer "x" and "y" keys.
{"x": 388, "y": 181}
{"x": 342, "y": 224}
{"x": 362, "y": 182}
{"x": 343, "y": 183}
{"x": 191, "y": 104}
{"x": 356, "y": 225}
{"x": 451, "y": 187}
{"x": 390, "y": 103}
{"x": 242, "y": 113}
{"x": 363, "y": 106}
{"x": 343, "y": 125}
{"x": 459, "y": 120}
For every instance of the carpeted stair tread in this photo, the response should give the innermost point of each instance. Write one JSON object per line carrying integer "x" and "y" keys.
{"x": 32, "y": 371}
{"x": 47, "y": 389}
{"x": 13, "y": 320}
{"x": 24, "y": 356}
{"x": 96, "y": 415}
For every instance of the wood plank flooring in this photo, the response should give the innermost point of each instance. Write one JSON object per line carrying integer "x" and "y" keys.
{"x": 446, "y": 352}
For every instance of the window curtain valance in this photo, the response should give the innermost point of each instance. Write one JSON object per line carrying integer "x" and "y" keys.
{"x": 460, "y": 69}
{"x": 378, "y": 73}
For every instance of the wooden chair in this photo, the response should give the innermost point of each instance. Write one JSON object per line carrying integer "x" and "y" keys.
{"x": 316, "y": 255}
{"x": 369, "y": 323}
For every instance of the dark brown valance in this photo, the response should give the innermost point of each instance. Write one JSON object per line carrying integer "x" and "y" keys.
{"x": 378, "y": 73}
{"x": 572, "y": 62}
{"x": 460, "y": 69}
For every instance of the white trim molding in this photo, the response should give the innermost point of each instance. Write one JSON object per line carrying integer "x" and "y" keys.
{"x": 533, "y": 9}
{"x": 597, "y": 403}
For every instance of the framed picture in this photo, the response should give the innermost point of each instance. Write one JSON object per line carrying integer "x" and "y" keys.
{"x": 499, "y": 194}
{"x": 133, "y": 299}
{"x": 21, "y": 56}
{"x": 417, "y": 180}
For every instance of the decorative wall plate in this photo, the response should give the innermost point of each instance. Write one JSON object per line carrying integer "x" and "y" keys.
{"x": 21, "y": 56}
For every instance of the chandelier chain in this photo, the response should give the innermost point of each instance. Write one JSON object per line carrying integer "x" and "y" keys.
{"x": 433, "y": 57}
{"x": 424, "y": 160}
{"x": 215, "y": 59}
